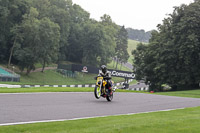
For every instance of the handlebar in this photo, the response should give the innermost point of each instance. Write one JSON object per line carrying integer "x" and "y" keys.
{"x": 107, "y": 78}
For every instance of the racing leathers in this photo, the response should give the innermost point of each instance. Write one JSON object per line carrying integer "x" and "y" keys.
{"x": 107, "y": 77}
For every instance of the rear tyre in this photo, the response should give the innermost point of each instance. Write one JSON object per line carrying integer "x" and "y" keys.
{"x": 97, "y": 92}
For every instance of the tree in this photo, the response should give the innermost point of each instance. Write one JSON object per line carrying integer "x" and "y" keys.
{"x": 25, "y": 50}
{"x": 122, "y": 45}
{"x": 11, "y": 13}
{"x": 93, "y": 46}
{"x": 59, "y": 13}
{"x": 39, "y": 41}
{"x": 139, "y": 35}
{"x": 4, "y": 13}
{"x": 172, "y": 56}
{"x": 49, "y": 34}
{"x": 74, "y": 51}
{"x": 111, "y": 30}
{"x": 46, "y": 31}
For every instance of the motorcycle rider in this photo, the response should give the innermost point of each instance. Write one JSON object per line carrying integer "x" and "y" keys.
{"x": 107, "y": 76}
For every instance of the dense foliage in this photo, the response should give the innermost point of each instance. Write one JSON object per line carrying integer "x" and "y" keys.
{"x": 46, "y": 31}
{"x": 138, "y": 35}
{"x": 173, "y": 55}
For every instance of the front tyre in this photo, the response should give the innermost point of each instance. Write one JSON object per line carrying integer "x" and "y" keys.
{"x": 97, "y": 92}
{"x": 109, "y": 97}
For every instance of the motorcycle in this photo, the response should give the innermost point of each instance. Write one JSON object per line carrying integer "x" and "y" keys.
{"x": 101, "y": 89}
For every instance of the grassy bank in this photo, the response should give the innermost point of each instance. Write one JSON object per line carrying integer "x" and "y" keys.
{"x": 50, "y": 77}
{"x": 176, "y": 121}
{"x": 132, "y": 44}
{"x": 112, "y": 65}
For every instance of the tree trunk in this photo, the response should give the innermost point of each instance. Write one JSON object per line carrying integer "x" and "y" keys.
{"x": 43, "y": 66}
{"x": 28, "y": 70}
{"x": 121, "y": 66}
{"x": 116, "y": 63}
{"x": 11, "y": 53}
{"x": 113, "y": 63}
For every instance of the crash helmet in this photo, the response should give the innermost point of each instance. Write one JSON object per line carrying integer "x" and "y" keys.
{"x": 104, "y": 68}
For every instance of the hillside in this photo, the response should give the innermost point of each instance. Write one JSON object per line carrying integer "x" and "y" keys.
{"x": 132, "y": 44}
{"x": 138, "y": 35}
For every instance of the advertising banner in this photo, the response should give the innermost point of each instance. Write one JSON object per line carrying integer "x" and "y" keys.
{"x": 95, "y": 70}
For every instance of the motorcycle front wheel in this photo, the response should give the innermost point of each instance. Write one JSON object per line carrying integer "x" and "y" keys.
{"x": 109, "y": 97}
{"x": 97, "y": 92}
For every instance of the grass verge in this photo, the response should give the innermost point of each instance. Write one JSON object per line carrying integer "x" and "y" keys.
{"x": 176, "y": 121}
{"x": 46, "y": 89}
{"x": 188, "y": 93}
{"x": 53, "y": 89}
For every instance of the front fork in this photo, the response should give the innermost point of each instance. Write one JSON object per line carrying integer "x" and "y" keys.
{"x": 102, "y": 89}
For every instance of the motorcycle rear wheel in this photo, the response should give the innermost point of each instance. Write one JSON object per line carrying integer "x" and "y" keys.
{"x": 97, "y": 92}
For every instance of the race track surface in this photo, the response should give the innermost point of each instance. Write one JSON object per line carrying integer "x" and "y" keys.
{"x": 54, "y": 106}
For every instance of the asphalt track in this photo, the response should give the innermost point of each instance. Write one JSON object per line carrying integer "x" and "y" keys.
{"x": 32, "y": 107}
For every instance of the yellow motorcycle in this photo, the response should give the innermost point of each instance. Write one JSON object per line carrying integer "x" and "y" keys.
{"x": 101, "y": 89}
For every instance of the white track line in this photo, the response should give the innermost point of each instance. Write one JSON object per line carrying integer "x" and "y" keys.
{"x": 60, "y": 120}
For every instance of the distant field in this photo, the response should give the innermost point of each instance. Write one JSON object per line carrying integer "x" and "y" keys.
{"x": 132, "y": 44}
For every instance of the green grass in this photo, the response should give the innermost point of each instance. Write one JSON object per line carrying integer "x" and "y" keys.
{"x": 188, "y": 93}
{"x": 46, "y": 89}
{"x": 123, "y": 68}
{"x": 54, "y": 89}
{"x": 133, "y": 82}
{"x": 50, "y": 77}
{"x": 39, "y": 65}
{"x": 132, "y": 44}
{"x": 176, "y": 121}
